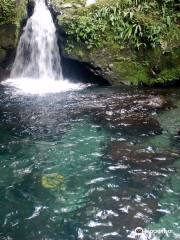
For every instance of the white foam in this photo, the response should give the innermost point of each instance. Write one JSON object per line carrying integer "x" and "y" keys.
{"x": 41, "y": 86}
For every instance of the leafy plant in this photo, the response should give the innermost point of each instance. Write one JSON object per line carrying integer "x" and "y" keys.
{"x": 126, "y": 20}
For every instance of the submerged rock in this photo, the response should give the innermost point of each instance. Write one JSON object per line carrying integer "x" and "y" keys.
{"x": 143, "y": 158}
{"x": 130, "y": 123}
{"x": 125, "y": 208}
{"x": 52, "y": 180}
{"x": 155, "y": 102}
{"x": 131, "y": 114}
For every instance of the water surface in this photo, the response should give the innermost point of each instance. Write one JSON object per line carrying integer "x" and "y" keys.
{"x": 117, "y": 174}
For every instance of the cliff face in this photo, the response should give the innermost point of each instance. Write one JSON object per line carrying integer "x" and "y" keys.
{"x": 131, "y": 42}
{"x": 12, "y": 12}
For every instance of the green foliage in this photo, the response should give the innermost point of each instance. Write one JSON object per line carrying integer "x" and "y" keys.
{"x": 7, "y": 11}
{"x": 12, "y": 11}
{"x": 136, "y": 23}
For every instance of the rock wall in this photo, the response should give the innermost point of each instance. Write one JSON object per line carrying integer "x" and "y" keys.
{"x": 147, "y": 52}
{"x": 12, "y": 13}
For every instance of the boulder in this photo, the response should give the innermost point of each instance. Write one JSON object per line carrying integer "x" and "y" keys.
{"x": 131, "y": 114}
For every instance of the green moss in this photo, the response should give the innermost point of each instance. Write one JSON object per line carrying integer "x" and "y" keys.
{"x": 11, "y": 11}
{"x": 11, "y": 14}
{"x": 131, "y": 72}
{"x": 139, "y": 40}
{"x": 169, "y": 67}
{"x": 7, "y": 11}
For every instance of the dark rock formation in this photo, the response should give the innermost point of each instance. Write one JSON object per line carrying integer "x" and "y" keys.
{"x": 132, "y": 114}
{"x": 137, "y": 156}
{"x": 30, "y": 7}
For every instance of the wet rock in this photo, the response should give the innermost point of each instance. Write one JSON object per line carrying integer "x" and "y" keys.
{"x": 177, "y": 136}
{"x": 30, "y": 7}
{"x": 155, "y": 102}
{"x": 135, "y": 123}
{"x": 123, "y": 119}
{"x": 176, "y": 140}
{"x": 4, "y": 73}
{"x": 124, "y": 208}
{"x": 128, "y": 114}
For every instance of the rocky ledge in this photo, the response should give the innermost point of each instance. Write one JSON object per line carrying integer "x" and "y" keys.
{"x": 123, "y": 43}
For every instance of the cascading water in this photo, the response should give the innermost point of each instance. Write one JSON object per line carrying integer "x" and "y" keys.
{"x": 37, "y": 66}
{"x": 38, "y": 54}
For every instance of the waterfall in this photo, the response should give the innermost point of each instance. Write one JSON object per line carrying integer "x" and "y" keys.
{"x": 37, "y": 66}
{"x": 38, "y": 53}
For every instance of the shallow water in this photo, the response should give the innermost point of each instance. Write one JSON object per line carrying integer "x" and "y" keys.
{"x": 117, "y": 175}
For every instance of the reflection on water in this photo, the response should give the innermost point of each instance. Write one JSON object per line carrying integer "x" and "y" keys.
{"x": 93, "y": 164}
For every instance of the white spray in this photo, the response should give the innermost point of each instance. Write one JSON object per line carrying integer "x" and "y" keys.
{"x": 38, "y": 53}
{"x": 37, "y": 66}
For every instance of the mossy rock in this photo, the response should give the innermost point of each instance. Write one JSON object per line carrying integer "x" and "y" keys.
{"x": 8, "y": 36}
{"x": 52, "y": 181}
{"x": 121, "y": 61}
{"x": 12, "y": 13}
